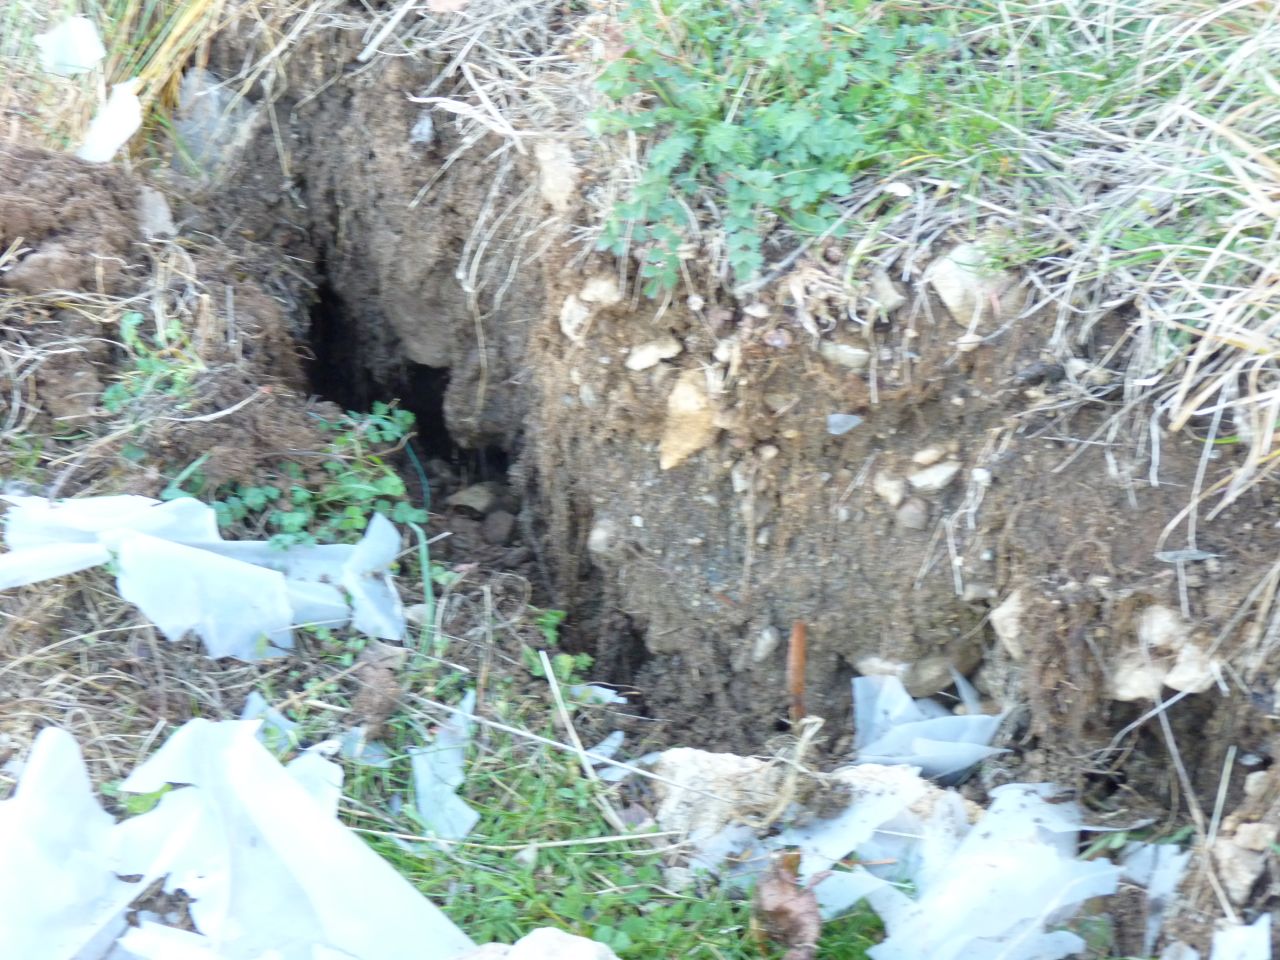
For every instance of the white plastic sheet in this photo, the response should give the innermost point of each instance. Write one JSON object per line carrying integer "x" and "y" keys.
{"x": 115, "y": 122}
{"x": 438, "y": 770}
{"x": 241, "y": 598}
{"x": 1011, "y": 876}
{"x": 1240, "y": 942}
{"x": 256, "y": 844}
{"x": 70, "y": 48}
{"x": 891, "y": 728}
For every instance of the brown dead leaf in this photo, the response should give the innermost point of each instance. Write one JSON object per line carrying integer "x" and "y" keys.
{"x": 379, "y": 692}
{"x": 691, "y": 420}
{"x": 786, "y": 912}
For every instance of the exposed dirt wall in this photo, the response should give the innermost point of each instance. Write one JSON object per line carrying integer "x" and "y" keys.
{"x": 766, "y": 516}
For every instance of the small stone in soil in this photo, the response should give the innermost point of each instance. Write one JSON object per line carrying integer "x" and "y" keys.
{"x": 498, "y": 528}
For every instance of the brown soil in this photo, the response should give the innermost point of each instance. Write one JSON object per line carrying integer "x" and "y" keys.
{"x": 687, "y": 571}
{"x": 676, "y": 579}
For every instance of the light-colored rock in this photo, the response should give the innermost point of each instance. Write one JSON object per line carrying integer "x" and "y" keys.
{"x": 480, "y": 497}
{"x": 603, "y": 540}
{"x": 1238, "y": 868}
{"x": 928, "y": 456}
{"x": 545, "y": 943}
{"x": 766, "y": 642}
{"x": 1006, "y": 621}
{"x": 934, "y": 478}
{"x": 650, "y": 354}
{"x": 691, "y": 422}
{"x": 1193, "y": 670}
{"x": 601, "y": 289}
{"x": 1256, "y": 836}
{"x": 845, "y": 355}
{"x": 913, "y": 514}
{"x": 1135, "y": 677}
{"x": 884, "y": 293}
{"x": 1255, "y": 784}
{"x": 557, "y": 174}
{"x": 1162, "y": 628}
{"x": 880, "y": 667}
{"x": 154, "y": 217}
{"x": 969, "y": 289}
{"x": 928, "y": 676}
{"x": 892, "y": 490}
{"x": 574, "y": 315}
{"x": 968, "y": 342}
{"x": 704, "y": 792}
{"x": 757, "y": 310}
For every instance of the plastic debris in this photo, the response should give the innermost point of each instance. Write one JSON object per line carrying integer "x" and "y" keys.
{"x": 1240, "y": 942}
{"x": 438, "y": 771}
{"x": 257, "y": 846}
{"x": 424, "y": 130}
{"x": 278, "y": 733}
{"x": 1012, "y": 875}
{"x": 891, "y": 728}
{"x": 1158, "y": 869}
{"x": 838, "y": 424}
{"x": 595, "y": 693}
{"x": 115, "y": 122}
{"x": 72, "y": 47}
{"x": 212, "y": 121}
{"x": 242, "y": 598}
{"x": 993, "y": 889}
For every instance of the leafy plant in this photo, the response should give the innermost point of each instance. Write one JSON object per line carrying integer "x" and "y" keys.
{"x": 300, "y": 507}
{"x": 765, "y": 111}
{"x": 614, "y": 892}
{"x": 568, "y": 667}
{"x": 161, "y": 364}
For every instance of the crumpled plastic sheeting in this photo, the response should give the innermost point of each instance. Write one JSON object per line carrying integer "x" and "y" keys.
{"x": 993, "y": 893}
{"x": 1252, "y": 942}
{"x": 115, "y": 122}
{"x": 1158, "y": 869}
{"x": 273, "y": 873}
{"x": 242, "y": 598}
{"x": 891, "y": 728}
{"x": 438, "y": 771}
{"x": 71, "y": 48}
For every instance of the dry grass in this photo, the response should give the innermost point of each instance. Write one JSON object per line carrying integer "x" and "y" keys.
{"x": 1161, "y": 202}
{"x": 152, "y": 42}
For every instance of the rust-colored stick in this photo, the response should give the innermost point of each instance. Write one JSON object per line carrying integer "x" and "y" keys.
{"x": 797, "y": 653}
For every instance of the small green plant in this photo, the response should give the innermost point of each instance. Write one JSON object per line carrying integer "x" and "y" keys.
{"x": 161, "y": 365}
{"x": 568, "y": 667}
{"x": 612, "y": 891}
{"x": 355, "y": 481}
{"x": 767, "y": 111}
{"x": 134, "y": 804}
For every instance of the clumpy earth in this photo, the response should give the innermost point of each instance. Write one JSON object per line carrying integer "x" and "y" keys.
{"x": 992, "y": 506}
{"x": 427, "y": 284}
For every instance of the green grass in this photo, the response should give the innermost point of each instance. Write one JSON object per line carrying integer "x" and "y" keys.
{"x": 506, "y": 879}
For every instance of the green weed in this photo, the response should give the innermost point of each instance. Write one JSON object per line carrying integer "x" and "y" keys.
{"x": 506, "y": 879}
{"x": 160, "y": 365}
{"x": 294, "y": 505}
{"x": 769, "y": 112}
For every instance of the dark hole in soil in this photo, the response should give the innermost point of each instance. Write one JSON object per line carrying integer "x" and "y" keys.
{"x": 345, "y": 370}
{"x": 357, "y": 362}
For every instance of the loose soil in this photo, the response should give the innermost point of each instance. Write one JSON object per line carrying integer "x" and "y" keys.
{"x": 364, "y": 266}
